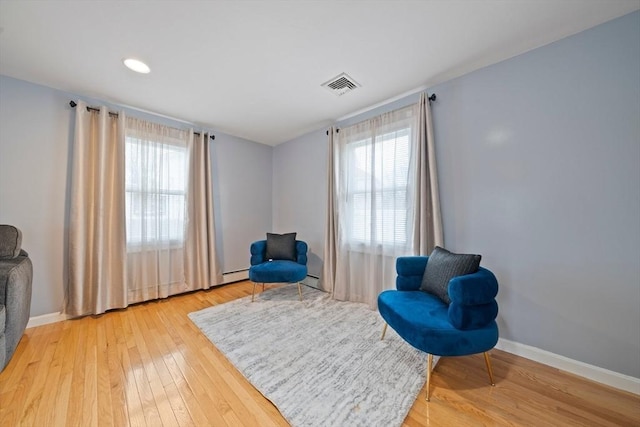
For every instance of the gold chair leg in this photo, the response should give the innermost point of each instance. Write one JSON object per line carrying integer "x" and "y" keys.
{"x": 300, "y": 291}
{"x": 254, "y": 291}
{"x": 429, "y": 364}
{"x": 487, "y": 361}
{"x": 384, "y": 331}
{"x": 263, "y": 287}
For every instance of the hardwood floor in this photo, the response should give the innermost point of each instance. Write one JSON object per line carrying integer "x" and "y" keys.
{"x": 149, "y": 365}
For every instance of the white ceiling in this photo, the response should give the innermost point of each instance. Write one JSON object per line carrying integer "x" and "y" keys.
{"x": 254, "y": 68}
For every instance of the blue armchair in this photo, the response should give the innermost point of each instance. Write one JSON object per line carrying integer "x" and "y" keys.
{"x": 263, "y": 270}
{"x": 463, "y": 327}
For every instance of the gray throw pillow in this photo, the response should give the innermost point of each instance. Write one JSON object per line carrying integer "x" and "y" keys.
{"x": 281, "y": 246}
{"x": 443, "y": 266}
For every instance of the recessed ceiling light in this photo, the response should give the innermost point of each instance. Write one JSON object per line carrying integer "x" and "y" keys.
{"x": 136, "y": 65}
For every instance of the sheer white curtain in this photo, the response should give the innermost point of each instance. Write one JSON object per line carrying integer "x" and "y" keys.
{"x": 141, "y": 220}
{"x": 380, "y": 202}
{"x": 156, "y": 192}
{"x": 169, "y": 212}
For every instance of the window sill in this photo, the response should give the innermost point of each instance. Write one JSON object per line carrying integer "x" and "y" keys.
{"x": 161, "y": 246}
{"x": 378, "y": 249}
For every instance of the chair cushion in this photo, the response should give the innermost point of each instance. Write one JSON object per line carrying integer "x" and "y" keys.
{"x": 473, "y": 303}
{"x": 258, "y": 250}
{"x": 281, "y": 246}
{"x": 476, "y": 288}
{"x": 442, "y": 266}
{"x": 472, "y": 316}
{"x": 301, "y": 252}
{"x": 410, "y": 272}
{"x": 422, "y": 320}
{"x": 10, "y": 241}
{"x": 277, "y": 271}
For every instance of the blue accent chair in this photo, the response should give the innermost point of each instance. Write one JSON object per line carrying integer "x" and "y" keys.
{"x": 277, "y": 271}
{"x": 466, "y": 326}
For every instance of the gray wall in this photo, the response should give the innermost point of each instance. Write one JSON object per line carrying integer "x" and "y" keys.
{"x": 300, "y": 192}
{"x": 242, "y": 197}
{"x": 539, "y": 167}
{"x": 34, "y": 154}
{"x": 35, "y": 134}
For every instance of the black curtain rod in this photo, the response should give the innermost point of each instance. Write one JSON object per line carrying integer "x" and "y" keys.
{"x": 73, "y": 104}
{"x": 431, "y": 98}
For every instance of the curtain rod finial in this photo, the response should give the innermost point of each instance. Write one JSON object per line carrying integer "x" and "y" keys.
{"x": 73, "y": 104}
{"x": 432, "y": 97}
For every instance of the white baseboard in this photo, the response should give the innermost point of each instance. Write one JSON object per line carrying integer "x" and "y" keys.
{"x": 595, "y": 373}
{"x": 45, "y": 319}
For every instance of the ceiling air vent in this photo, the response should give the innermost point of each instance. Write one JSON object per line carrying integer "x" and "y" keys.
{"x": 341, "y": 84}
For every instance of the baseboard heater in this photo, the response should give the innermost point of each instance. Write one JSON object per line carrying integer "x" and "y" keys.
{"x": 235, "y": 276}
{"x": 240, "y": 275}
{"x": 312, "y": 281}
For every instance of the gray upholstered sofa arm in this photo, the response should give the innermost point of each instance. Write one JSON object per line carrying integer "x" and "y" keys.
{"x": 16, "y": 275}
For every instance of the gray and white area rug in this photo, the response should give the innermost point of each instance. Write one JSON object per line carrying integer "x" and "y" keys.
{"x": 319, "y": 361}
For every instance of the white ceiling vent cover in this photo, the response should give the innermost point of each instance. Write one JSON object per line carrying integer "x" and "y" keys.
{"x": 341, "y": 84}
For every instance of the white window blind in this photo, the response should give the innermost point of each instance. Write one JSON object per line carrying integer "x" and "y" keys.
{"x": 378, "y": 188}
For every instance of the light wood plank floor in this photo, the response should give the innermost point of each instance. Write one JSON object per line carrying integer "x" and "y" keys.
{"x": 149, "y": 365}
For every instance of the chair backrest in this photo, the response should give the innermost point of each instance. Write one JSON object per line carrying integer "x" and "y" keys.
{"x": 10, "y": 241}
{"x": 473, "y": 303}
{"x": 410, "y": 270}
{"x": 259, "y": 248}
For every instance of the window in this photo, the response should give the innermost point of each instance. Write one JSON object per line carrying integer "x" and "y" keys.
{"x": 376, "y": 162}
{"x": 156, "y": 186}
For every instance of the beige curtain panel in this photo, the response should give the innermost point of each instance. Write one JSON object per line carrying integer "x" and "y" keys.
{"x": 327, "y": 282}
{"x": 202, "y": 268}
{"x": 97, "y": 245}
{"x": 427, "y": 231}
{"x": 141, "y": 224}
